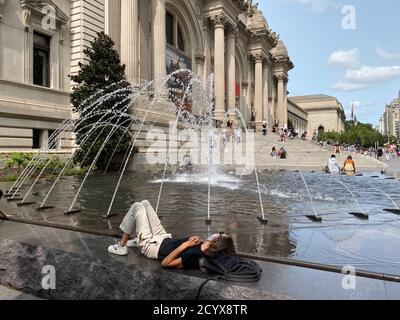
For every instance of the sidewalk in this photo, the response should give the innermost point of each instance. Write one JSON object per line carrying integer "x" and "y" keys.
{"x": 89, "y": 272}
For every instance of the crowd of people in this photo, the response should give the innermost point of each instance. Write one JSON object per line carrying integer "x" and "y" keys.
{"x": 387, "y": 152}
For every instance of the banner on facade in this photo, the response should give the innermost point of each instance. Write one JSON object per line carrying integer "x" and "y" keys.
{"x": 177, "y": 61}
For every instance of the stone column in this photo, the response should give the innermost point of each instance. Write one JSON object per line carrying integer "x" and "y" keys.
{"x": 267, "y": 113}
{"x": 28, "y": 44}
{"x": 64, "y": 47}
{"x": 231, "y": 66}
{"x": 285, "y": 103}
{"x": 159, "y": 42}
{"x": 44, "y": 139}
{"x": 258, "y": 99}
{"x": 129, "y": 39}
{"x": 55, "y": 62}
{"x": 1, "y": 51}
{"x": 1, "y": 8}
{"x": 250, "y": 87}
{"x": 273, "y": 101}
{"x": 282, "y": 99}
{"x": 245, "y": 104}
{"x": 219, "y": 66}
{"x": 207, "y": 51}
{"x": 112, "y": 21}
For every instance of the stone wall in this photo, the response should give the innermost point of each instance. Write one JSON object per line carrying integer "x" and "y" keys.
{"x": 87, "y": 19}
{"x": 25, "y": 107}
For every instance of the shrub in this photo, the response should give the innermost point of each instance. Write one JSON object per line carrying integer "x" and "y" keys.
{"x": 11, "y": 178}
{"x": 19, "y": 160}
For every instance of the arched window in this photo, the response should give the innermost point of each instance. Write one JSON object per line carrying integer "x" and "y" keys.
{"x": 170, "y": 28}
{"x": 174, "y": 32}
{"x": 321, "y": 130}
{"x": 181, "y": 43}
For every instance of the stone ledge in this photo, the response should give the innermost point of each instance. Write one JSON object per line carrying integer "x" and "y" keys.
{"x": 79, "y": 277}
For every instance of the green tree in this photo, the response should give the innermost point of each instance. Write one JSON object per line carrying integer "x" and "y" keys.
{"x": 361, "y": 132}
{"x": 102, "y": 74}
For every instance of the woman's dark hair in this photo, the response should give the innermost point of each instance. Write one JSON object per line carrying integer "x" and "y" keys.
{"x": 224, "y": 245}
{"x": 349, "y": 158}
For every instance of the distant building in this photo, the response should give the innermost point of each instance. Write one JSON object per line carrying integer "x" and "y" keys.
{"x": 381, "y": 126}
{"x": 390, "y": 120}
{"x": 297, "y": 117}
{"x": 325, "y": 113}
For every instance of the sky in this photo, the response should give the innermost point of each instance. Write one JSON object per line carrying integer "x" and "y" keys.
{"x": 349, "y": 49}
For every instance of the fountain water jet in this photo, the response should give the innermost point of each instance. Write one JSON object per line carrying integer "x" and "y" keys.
{"x": 315, "y": 217}
{"x": 359, "y": 214}
{"x": 396, "y": 209}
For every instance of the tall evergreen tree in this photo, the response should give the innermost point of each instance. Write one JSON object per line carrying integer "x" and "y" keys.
{"x": 100, "y": 93}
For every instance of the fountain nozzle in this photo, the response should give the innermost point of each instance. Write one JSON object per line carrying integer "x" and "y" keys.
{"x": 315, "y": 218}
{"x": 263, "y": 221}
{"x": 360, "y": 215}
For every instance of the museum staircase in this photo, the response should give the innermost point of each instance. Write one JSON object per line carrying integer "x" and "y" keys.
{"x": 306, "y": 154}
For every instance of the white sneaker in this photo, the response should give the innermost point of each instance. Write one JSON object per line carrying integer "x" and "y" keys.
{"x": 118, "y": 250}
{"x": 133, "y": 243}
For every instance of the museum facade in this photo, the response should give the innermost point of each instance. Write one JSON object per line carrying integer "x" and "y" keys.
{"x": 229, "y": 38}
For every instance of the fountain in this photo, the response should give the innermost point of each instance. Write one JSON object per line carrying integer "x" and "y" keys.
{"x": 396, "y": 209}
{"x": 315, "y": 217}
{"x": 358, "y": 214}
{"x": 117, "y": 122}
{"x": 208, "y": 192}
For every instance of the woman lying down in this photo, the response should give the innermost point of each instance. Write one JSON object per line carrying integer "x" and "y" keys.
{"x": 142, "y": 225}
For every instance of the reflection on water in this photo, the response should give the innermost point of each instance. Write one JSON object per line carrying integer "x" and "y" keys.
{"x": 341, "y": 239}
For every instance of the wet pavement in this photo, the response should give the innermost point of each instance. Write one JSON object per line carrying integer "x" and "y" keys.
{"x": 292, "y": 282}
{"x": 341, "y": 239}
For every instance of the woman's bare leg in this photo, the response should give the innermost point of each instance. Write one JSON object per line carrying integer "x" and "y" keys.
{"x": 124, "y": 240}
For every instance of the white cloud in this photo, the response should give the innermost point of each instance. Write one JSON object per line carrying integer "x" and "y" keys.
{"x": 383, "y": 54}
{"x": 373, "y": 75}
{"x": 347, "y": 86}
{"x": 366, "y": 76}
{"x": 344, "y": 59}
{"x": 316, "y": 6}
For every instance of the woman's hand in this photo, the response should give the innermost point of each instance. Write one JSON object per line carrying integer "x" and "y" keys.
{"x": 174, "y": 259}
{"x": 193, "y": 241}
